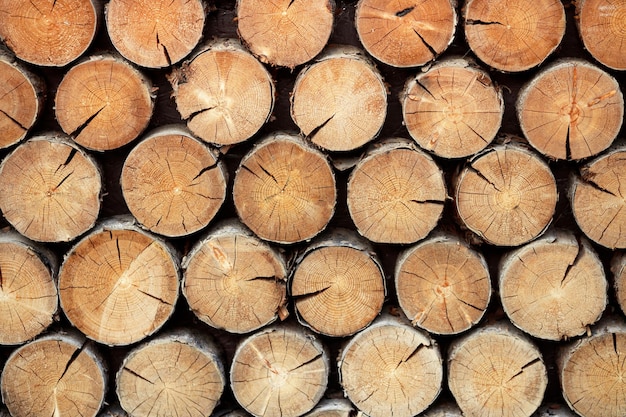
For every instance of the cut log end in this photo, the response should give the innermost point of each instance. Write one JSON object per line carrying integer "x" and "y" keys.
{"x": 603, "y": 31}
{"x": 618, "y": 269}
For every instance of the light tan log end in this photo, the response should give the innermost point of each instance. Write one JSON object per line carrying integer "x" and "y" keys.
{"x": 619, "y": 278}
{"x": 602, "y": 28}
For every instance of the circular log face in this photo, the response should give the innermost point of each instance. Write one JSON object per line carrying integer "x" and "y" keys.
{"x": 405, "y": 33}
{"x": 514, "y": 35}
{"x": 619, "y": 279}
{"x": 112, "y": 275}
{"x": 155, "y": 33}
{"x": 285, "y": 32}
{"x": 103, "y": 103}
{"x": 48, "y": 33}
{"x": 50, "y": 190}
{"x": 602, "y": 27}
{"x": 19, "y": 103}
{"x": 571, "y": 110}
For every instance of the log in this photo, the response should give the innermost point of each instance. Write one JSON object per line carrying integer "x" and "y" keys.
{"x": 338, "y": 284}
{"x": 28, "y": 291}
{"x": 333, "y": 408}
{"x": 173, "y": 184}
{"x": 223, "y": 93}
{"x": 49, "y": 34}
{"x": 600, "y": 24}
{"x": 234, "y": 281}
{"x": 284, "y": 189}
{"x": 281, "y": 370}
{"x": 155, "y": 34}
{"x": 570, "y": 110}
{"x": 104, "y": 103}
{"x": 22, "y": 95}
{"x": 453, "y": 109}
{"x": 442, "y": 284}
{"x": 340, "y": 101}
{"x": 595, "y": 195}
{"x": 390, "y": 368}
{"x": 178, "y": 373}
{"x": 592, "y": 369}
{"x": 61, "y": 374}
{"x": 506, "y": 194}
{"x": 50, "y": 189}
{"x": 618, "y": 262}
{"x": 444, "y": 410}
{"x": 496, "y": 371}
{"x": 285, "y": 33}
{"x": 115, "y": 272}
{"x": 513, "y": 39}
{"x": 404, "y": 33}
{"x": 553, "y": 288}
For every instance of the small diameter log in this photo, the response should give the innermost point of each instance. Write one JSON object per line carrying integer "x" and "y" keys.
{"x": 49, "y": 33}
{"x": 570, "y": 110}
{"x": 443, "y": 285}
{"x": 333, "y": 408}
{"x": 284, "y": 189}
{"x": 286, "y": 33}
{"x": 453, "y": 110}
{"x": 28, "y": 291}
{"x": 618, "y": 268}
{"x": 173, "y": 184}
{"x": 496, "y": 371}
{"x": 155, "y": 33}
{"x": 405, "y": 33}
{"x": 338, "y": 284}
{"x": 553, "y": 288}
{"x": 235, "y": 281}
{"x": 61, "y": 374}
{"x": 554, "y": 410}
{"x": 597, "y": 199}
{"x": 601, "y": 27}
{"x": 390, "y": 368}
{"x": 396, "y": 193}
{"x": 50, "y": 189}
{"x": 444, "y": 410}
{"x": 104, "y": 103}
{"x": 119, "y": 284}
{"x": 506, "y": 194}
{"x": 515, "y": 37}
{"x": 21, "y": 99}
{"x": 179, "y": 373}
{"x": 340, "y": 101}
{"x": 592, "y": 371}
{"x": 279, "y": 371}
{"x": 223, "y": 93}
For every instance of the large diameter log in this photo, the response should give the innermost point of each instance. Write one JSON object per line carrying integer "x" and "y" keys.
{"x": 405, "y": 33}
{"x": 173, "y": 184}
{"x": 179, "y": 373}
{"x": 553, "y": 288}
{"x": 223, "y": 93}
{"x": 506, "y": 194}
{"x": 571, "y": 110}
{"x": 279, "y": 371}
{"x": 103, "y": 103}
{"x": 515, "y": 37}
{"x": 396, "y": 193}
{"x": 496, "y": 371}
{"x": 453, "y": 109}
{"x": 338, "y": 284}
{"x": 390, "y": 368}
{"x": 49, "y": 33}
{"x": 600, "y": 24}
{"x": 155, "y": 34}
{"x": 592, "y": 371}
{"x": 116, "y": 273}
{"x": 597, "y": 200}
{"x": 21, "y": 99}
{"x": 235, "y": 281}
{"x": 28, "y": 291}
{"x": 340, "y": 101}
{"x": 443, "y": 285}
{"x": 286, "y": 33}
{"x": 284, "y": 189}
{"x": 50, "y": 189}
{"x": 61, "y": 374}
{"x": 618, "y": 264}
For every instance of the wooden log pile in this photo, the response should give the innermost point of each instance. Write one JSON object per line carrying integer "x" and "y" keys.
{"x": 323, "y": 208}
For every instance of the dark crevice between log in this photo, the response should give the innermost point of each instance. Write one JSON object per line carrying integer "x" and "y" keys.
{"x": 426, "y": 44}
{"x": 21, "y": 126}
{"x": 315, "y": 131}
{"x": 310, "y": 361}
{"x": 404, "y": 12}
{"x": 481, "y": 175}
{"x": 135, "y": 374}
{"x": 480, "y": 22}
{"x": 154, "y": 297}
{"x": 84, "y": 125}
{"x": 68, "y": 160}
{"x": 528, "y": 365}
{"x": 73, "y": 358}
{"x": 574, "y": 263}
